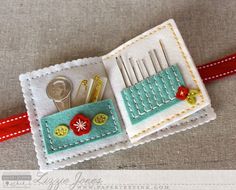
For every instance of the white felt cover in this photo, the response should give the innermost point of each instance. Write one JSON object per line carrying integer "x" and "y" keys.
{"x": 39, "y": 105}
{"x": 138, "y": 49}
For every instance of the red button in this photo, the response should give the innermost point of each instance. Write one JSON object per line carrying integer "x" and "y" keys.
{"x": 80, "y": 124}
{"x": 182, "y": 93}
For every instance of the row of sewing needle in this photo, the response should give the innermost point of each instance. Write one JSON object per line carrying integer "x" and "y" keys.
{"x": 136, "y": 71}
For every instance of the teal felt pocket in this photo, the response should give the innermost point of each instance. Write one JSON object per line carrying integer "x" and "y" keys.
{"x": 153, "y": 94}
{"x": 97, "y": 132}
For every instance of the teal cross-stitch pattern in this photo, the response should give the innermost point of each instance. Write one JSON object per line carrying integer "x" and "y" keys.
{"x": 153, "y": 94}
{"x": 110, "y": 128}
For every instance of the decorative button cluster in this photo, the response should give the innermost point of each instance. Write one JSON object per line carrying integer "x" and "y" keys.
{"x": 80, "y": 125}
{"x": 184, "y": 93}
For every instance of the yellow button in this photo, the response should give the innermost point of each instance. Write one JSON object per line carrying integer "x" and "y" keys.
{"x": 61, "y": 131}
{"x": 100, "y": 119}
{"x": 191, "y": 100}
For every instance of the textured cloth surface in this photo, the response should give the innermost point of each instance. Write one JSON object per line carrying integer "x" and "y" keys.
{"x": 35, "y": 34}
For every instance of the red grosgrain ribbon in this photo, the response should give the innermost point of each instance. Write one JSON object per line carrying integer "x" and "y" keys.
{"x": 17, "y": 125}
{"x": 14, "y": 126}
{"x": 218, "y": 69}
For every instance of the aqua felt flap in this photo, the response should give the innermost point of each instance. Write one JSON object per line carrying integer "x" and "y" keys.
{"x": 153, "y": 94}
{"x": 97, "y": 132}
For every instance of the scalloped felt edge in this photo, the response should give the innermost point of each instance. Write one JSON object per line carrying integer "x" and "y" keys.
{"x": 195, "y": 120}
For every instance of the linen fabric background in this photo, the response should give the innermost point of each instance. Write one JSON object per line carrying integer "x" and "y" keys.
{"x": 36, "y": 34}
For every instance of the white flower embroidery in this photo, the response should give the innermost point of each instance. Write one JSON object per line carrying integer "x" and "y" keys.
{"x": 80, "y": 125}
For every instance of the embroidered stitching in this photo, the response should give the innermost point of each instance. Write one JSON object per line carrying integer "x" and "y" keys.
{"x": 136, "y": 104}
{"x": 134, "y": 116}
{"x": 64, "y": 69}
{"x": 36, "y": 119}
{"x": 158, "y": 88}
{"x": 158, "y": 29}
{"x": 166, "y": 90}
{"x": 15, "y": 133}
{"x": 219, "y": 75}
{"x": 153, "y": 93}
{"x": 40, "y": 132}
{"x": 177, "y": 114}
{"x": 194, "y": 79}
{"x": 176, "y": 77}
{"x": 147, "y": 96}
{"x": 81, "y": 154}
{"x": 130, "y": 106}
{"x": 14, "y": 119}
{"x": 171, "y": 82}
{"x": 182, "y": 112}
{"x": 164, "y": 121}
{"x": 85, "y": 140}
{"x": 123, "y": 142}
{"x": 183, "y": 55}
{"x": 33, "y": 104}
{"x": 217, "y": 63}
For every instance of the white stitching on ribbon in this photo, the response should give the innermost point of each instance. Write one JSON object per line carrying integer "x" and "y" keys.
{"x": 217, "y": 63}
{"x": 14, "y": 119}
{"x": 219, "y": 75}
{"x": 15, "y": 133}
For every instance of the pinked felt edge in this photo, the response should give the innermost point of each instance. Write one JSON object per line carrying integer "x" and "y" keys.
{"x": 199, "y": 118}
